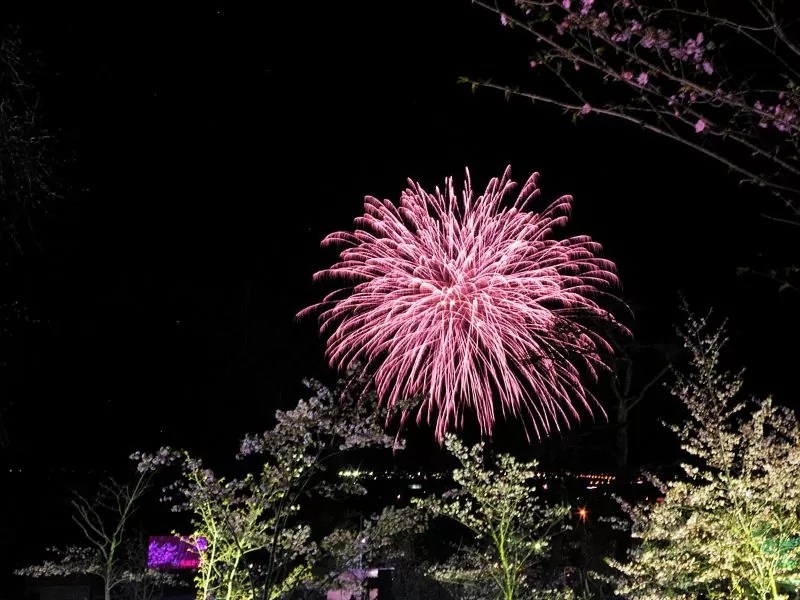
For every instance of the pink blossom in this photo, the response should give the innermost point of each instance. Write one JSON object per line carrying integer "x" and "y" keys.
{"x": 566, "y": 4}
{"x": 699, "y": 126}
{"x": 627, "y": 75}
{"x": 642, "y": 79}
{"x": 708, "y": 67}
{"x": 503, "y": 20}
{"x": 587, "y": 6}
{"x": 533, "y": 64}
{"x": 586, "y": 109}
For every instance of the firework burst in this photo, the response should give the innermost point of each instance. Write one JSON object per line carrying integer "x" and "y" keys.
{"x": 471, "y": 306}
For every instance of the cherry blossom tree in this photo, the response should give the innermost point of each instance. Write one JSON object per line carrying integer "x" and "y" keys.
{"x": 730, "y": 527}
{"x": 511, "y": 528}
{"x": 104, "y": 522}
{"x": 720, "y": 78}
{"x": 250, "y": 532}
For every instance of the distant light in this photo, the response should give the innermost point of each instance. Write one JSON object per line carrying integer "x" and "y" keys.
{"x": 583, "y": 514}
{"x": 415, "y": 486}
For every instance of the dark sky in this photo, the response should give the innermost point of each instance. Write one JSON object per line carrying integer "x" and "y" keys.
{"x": 214, "y": 149}
{"x": 213, "y": 152}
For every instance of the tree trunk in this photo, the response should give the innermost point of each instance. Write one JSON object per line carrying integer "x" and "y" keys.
{"x": 622, "y": 436}
{"x": 107, "y": 583}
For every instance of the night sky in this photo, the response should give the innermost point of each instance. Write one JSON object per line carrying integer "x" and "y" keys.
{"x": 210, "y": 154}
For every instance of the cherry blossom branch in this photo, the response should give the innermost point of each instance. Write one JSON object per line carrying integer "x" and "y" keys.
{"x": 674, "y": 71}
{"x": 585, "y": 109}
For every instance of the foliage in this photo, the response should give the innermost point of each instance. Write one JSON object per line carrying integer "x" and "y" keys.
{"x": 718, "y": 77}
{"x": 70, "y": 560}
{"x": 462, "y": 301}
{"x": 250, "y": 534}
{"x": 731, "y": 527}
{"x": 510, "y": 527}
{"x": 231, "y": 521}
{"x": 380, "y": 539}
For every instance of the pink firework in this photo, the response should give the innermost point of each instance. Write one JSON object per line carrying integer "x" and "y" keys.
{"x": 471, "y": 305}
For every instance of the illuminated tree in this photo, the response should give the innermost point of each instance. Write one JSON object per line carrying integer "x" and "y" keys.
{"x": 467, "y": 303}
{"x": 250, "y": 534}
{"x": 717, "y": 77}
{"x": 387, "y": 539}
{"x": 731, "y": 527}
{"x": 510, "y": 527}
{"x": 232, "y": 520}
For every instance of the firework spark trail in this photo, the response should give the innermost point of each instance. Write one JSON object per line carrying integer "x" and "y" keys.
{"x": 470, "y": 305}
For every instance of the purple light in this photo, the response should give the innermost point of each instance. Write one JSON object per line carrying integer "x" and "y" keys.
{"x": 174, "y": 552}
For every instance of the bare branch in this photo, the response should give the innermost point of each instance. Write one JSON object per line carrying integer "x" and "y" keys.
{"x": 103, "y": 521}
